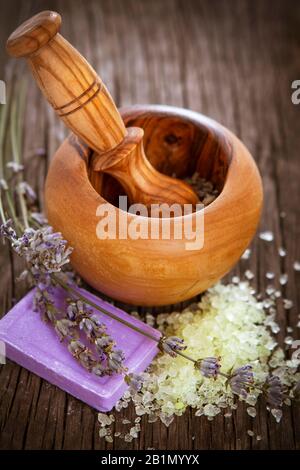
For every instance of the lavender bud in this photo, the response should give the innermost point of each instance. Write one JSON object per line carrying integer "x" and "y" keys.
{"x": 39, "y": 218}
{"x": 63, "y": 327}
{"x": 97, "y": 321}
{"x": 15, "y": 167}
{"x": 135, "y": 381}
{"x": 86, "y": 325}
{"x": 86, "y": 359}
{"x": 209, "y": 366}
{"x": 240, "y": 380}
{"x": 274, "y": 391}
{"x": 115, "y": 360}
{"x": 76, "y": 347}
{"x": 171, "y": 345}
{"x": 103, "y": 342}
{"x": 27, "y": 190}
{"x": 98, "y": 369}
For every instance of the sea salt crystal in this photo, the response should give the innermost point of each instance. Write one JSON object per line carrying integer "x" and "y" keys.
{"x": 167, "y": 420}
{"x": 251, "y": 411}
{"x": 128, "y": 438}
{"x": 150, "y": 320}
{"x": 267, "y": 303}
{"x": 134, "y": 432}
{"x": 258, "y": 437}
{"x": 277, "y": 415}
{"x": 109, "y": 439}
{"x": 118, "y": 406}
{"x": 235, "y": 279}
{"x": 211, "y": 410}
{"x": 117, "y": 434}
{"x": 287, "y": 304}
{"x": 288, "y": 340}
{"x": 296, "y": 266}
{"x": 270, "y": 290}
{"x": 246, "y": 254}
{"x": 275, "y": 328}
{"x": 104, "y": 419}
{"x": 270, "y": 275}
{"x": 282, "y": 252}
{"x": 249, "y": 275}
{"x": 126, "y": 421}
{"x": 289, "y": 329}
{"x": 140, "y": 410}
{"x": 251, "y": 400}
{"x": 103, "y": 432}
{"x": 283, "y": 279}
{"x": 147, "y": 397}
{"x": 225, "y": 311}
{"x": 266, "y": 236}
{"x": 250, "y": 433}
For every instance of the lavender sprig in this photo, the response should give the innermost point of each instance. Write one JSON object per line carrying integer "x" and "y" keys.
{"x": 47, "y": 256}
{"x": 171, "y": 345}
{"x": 274, "y": 392}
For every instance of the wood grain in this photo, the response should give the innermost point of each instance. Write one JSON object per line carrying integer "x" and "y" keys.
{"x": 233, "y": 61}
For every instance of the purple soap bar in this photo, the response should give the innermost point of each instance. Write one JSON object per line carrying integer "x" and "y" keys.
{"x": 33, "y": 344}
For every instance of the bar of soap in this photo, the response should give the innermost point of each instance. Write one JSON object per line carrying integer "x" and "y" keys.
{"x": 33, "y": 344}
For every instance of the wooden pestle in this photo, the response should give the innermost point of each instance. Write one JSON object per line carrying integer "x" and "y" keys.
{"x": 81, "y": 100}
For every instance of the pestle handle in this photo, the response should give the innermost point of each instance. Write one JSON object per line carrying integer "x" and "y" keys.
{"x": 82, "y": 101}
{"x": 69, "y": 83}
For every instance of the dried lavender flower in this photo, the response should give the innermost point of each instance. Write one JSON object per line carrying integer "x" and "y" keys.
{"x": 115, "y": 361}
{"x": 27, "y": 191}
{"x": 7, "y": 231}
{"x": 274, "y": 392}
{"x": 240, "y": 380}
{"x": 64, "y": 328}
{"x": 209, "y": 366}
{"x": 45, "y": 251}
{"x": 171, "y": 345}
{"x": 39, "y": 218}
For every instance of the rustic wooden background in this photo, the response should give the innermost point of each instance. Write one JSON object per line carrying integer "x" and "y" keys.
{"x": 233, "y": 60}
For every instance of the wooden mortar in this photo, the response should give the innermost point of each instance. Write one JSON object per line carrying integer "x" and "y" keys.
{"x": 158, "y": 272}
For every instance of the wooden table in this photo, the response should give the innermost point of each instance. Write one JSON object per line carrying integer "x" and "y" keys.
{"x": 232, "y": 60}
